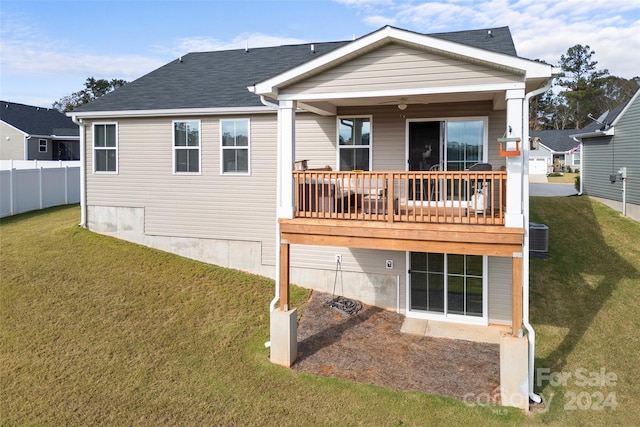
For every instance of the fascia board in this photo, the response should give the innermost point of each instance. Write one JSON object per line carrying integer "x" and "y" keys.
{"x": 531, "y": 69}
{"x": 56, "y": 137}
{"x": 608, "y": 132}
{"x": 170, "y": 112}
{"x": 408, "y": 92}
{"x": 546, "y": 147}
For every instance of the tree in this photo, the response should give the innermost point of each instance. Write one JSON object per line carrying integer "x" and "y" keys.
{"x": 92, "y": 89}
{"x": 582, "y": 82}
{"x": 615, "y": 91}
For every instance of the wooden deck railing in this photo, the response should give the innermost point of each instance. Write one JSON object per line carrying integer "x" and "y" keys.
{"x": 420, "y": 197}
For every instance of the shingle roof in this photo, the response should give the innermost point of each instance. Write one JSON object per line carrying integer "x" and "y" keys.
{"x": 37, "y": 120}
{"x": 493, "y": 39}
{"x": 560, "y": 140}
{"x": 220, "y": 78}
{"x": 557, "y": 140}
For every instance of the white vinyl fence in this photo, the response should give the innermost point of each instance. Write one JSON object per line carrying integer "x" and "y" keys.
{"x": 50, "y": 184}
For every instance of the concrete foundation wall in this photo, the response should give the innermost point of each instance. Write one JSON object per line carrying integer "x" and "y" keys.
{"x": 128, "y": 223}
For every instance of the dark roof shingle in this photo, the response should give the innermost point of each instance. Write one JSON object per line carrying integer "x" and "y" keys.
{"x": 220, "y": 79}
{"x": 37, "y": 120}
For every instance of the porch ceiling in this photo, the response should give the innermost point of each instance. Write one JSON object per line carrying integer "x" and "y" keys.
{"x": 329, "y": 106}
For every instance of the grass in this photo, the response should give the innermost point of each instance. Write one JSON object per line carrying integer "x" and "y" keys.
{"x": 565, "y": 178}
{"x": 94, "y": 330}
{"x": 585, "y": 306}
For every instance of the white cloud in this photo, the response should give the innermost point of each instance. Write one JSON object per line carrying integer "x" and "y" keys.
{"x": 38, "y": 69}
{"x": 379, "y": 21}
{"x": 542, "y": 29}
{"x": 206, "y": 44}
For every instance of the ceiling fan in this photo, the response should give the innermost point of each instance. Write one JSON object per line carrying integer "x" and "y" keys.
{"x": 401, "y": 102}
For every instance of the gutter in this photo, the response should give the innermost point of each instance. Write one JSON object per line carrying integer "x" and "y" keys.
{"x": 525, "y": 256}
{"x": 83, "y": 170}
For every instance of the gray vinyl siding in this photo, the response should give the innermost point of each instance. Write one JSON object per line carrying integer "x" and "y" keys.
{"x": 315, "y": 141}
{"x": 243, "y": 208}
{"x": 400, "y": 67}
{"x": 500, "y": 290}
{"x": 208, "y": 205}
{"x": 604, "y": 156}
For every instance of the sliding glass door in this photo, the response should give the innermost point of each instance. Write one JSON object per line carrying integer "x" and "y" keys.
{"x": 452, "y": 144}
{"x": 447, "y": 285}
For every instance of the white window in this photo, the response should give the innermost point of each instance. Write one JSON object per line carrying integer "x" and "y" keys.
{"x": 105, "y": 147}
{"x": 354, "y": 143}
{"x": 186, "y": 146}
{"x": 43, "y": 146}
{"x": 235, "y": 146}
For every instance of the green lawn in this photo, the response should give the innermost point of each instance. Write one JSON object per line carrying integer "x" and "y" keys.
{"x": 94, "y": 330}
{"x": 565, "y": 178}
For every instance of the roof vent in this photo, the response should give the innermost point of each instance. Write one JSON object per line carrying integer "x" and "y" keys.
{"x": 489, "y": 34}
{"x": 313, "y": 49}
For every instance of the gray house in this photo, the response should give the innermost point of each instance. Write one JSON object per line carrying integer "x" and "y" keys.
{"x": 36, "y": 133}
{"x": 395, "y": 157}
{"x": 553, "y": 150}
{"x": 610, "y": 169}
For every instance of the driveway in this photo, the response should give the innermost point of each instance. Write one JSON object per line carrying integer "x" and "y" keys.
{"x": 551, "y": 190}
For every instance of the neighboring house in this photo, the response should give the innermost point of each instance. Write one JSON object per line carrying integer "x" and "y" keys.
{"x": 610, "y": 169}
{"x": 36, "y": 133}
{"x": 197, "y": 158}
{"x": 553, "y": 151}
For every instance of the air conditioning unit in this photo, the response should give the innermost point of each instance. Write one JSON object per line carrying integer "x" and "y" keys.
{"x": 538, "y": 240}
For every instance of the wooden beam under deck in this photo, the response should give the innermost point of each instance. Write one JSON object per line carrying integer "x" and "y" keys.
{"x": 442, "y": 238}
{"x": 284, "y": 276}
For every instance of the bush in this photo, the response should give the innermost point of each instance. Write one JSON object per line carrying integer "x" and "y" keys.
{"x": 576, "y": 183}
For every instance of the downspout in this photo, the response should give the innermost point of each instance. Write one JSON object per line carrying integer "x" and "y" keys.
{"x": 268, "y": 104}
{"x": 83, "y": 177}
{"x": 525, "y": 256}
{"x": 274, "y": 301}
{"x": 581, "y": 167}
{"x": 26, "y": 147}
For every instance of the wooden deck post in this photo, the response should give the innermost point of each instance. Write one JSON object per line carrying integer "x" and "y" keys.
{"x": 284, "y": 275}
{"x": 516, "y": 294}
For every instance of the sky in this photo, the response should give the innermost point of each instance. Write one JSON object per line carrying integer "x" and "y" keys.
{"x": 49, "y": 48}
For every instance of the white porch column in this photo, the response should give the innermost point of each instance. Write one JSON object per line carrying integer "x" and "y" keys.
{"x": 286, "y": 151}
{"x": 515, "y": 216}
{"x": 283, "y": 322}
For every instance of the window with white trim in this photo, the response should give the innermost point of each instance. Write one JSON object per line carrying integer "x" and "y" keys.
{"x": 42, "y": 147}
{"x": 354, "y": 143}
{"x": 105, "y": 147}
{"x": 576, "y": 159}
{"x": 186, "y": 146}
{"x": 235, "y": 146}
